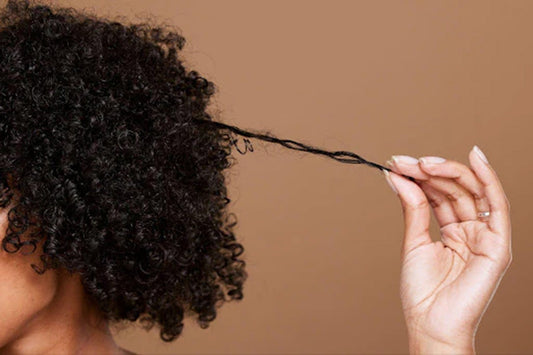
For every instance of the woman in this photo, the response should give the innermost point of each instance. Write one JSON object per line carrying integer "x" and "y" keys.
{"x": 114, "y": 199}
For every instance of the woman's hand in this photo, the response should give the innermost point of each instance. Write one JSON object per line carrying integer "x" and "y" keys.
{"x": 447, "y": 285}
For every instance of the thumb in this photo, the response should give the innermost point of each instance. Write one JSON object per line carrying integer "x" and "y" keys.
{"x": 416, "y": 211}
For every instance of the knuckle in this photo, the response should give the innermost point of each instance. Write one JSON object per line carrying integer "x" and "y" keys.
{"x": 434, "y": 201}
{"x": 453, "y": 196}
{"x": 478, "y": 195}
{"x": 419, "y": 204}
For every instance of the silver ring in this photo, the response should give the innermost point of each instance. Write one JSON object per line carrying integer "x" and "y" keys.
{"x": 483, "y": 214}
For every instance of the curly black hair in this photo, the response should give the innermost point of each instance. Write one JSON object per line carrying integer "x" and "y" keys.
{"x": 110, "y": 162}
{"x": 102, "y": 165}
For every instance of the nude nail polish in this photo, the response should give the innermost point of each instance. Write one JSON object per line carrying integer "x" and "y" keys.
{"x": 480, "y": 154}
{"x": 389, "y": 181}
{"x": 432, "y": 160}
{"x": 406, "y": 159}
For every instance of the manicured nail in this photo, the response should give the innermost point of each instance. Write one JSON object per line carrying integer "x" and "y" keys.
{"x": 406, "y": 159}
{"x": 480, "y": 154}
{"x": 389, "y": 181}
{"x": 432, "y": 160}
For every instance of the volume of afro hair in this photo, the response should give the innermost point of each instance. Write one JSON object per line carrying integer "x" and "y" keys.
{"x": 102, "y": 166}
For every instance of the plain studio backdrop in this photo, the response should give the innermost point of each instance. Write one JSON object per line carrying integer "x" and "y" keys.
{"x": 322, "y": 238}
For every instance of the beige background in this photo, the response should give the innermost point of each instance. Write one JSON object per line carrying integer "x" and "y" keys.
{"x": 377, "y": 78}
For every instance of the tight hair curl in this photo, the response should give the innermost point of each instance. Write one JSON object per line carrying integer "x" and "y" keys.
{"x": 110, "y": 162}
{"x": 105, "y": 169}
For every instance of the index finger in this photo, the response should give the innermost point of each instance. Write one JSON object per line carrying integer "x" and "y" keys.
{"x": 499, "y": 219}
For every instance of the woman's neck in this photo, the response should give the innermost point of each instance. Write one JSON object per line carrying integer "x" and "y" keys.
{"x": 69, "y": 324}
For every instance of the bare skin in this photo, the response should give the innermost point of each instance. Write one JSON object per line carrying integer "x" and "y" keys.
{"x": 66, "y": 325}
{"x": 447, "y": 285}
{"x": 49, "y": 313}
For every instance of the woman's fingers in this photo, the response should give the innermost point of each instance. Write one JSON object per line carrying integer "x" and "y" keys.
{"x": 465, "y": 178}
{"x": 460, "y": 198}
{"x": 416, "y": 211}
{"x": 442, "y": 207}
{"x": 499, "y": 206}
{"x": 454, "y": 180}
{"x": 408, "y": 166}
{"x": 445, "y": 196}
{"x": 470, "y": 190}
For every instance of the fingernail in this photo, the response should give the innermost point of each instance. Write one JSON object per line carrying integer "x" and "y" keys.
{"x": 389, "y": 163}
{"x": 406, "y": 159}
{"x": 432, "y": 160}
{"x": 389, "y": 181}
{"x": 480, "y": 154}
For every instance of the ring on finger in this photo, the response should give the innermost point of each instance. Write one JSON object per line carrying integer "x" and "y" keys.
{"x": 483, "y": 214}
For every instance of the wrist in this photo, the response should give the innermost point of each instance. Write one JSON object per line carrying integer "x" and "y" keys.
{"x": 420, "y": 344}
